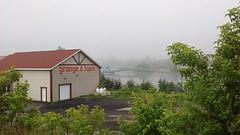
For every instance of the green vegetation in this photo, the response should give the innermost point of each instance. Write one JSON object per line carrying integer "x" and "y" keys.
{"x": 31, "y": 122}
{"x": 212, "y": 103}
{"x": 153, "y": 114}
{"x": 213, "y": 82}
{"x": 110, "y": 84}
{"x": 146, "y": 85}
{"x": 15, "y": 120}
{"x": 165, "y": 86}
{"x": 14, "y": 104}
{"x": 210, "y": 106}
{"x": 83, "y": 123}
{"x": 14, "y": 101}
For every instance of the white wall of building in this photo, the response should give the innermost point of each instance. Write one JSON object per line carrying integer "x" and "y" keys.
{"x": 37, "y": 79}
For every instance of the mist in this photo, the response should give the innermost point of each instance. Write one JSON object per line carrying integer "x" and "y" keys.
{"x": 104, "y": 29}
{"x": 139, "y": 70}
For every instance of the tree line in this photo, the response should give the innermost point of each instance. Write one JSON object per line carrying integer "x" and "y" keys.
{"x": 163, "y": 85}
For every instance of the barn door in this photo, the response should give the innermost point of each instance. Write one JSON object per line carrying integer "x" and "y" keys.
{"x": 43, "y": 94}
{"x": 65, "y": 91}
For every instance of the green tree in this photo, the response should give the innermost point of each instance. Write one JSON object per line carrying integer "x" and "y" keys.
{"x": 166, "y": 86}
{"x": 213, "y": 82}
{"x": 31, "y": 122}
{"x": 110, "y": 84}
{"x": 146, "y": 85}
{"x": 131, "y": 84}
{"x": 83, "y": 123}
{"x": 54, "y": 123}
{"x": 117, "y": 84}
{"x": 14, "y": 104}
{"x": 7, "y": 78}
{"x": 151, "y": 115}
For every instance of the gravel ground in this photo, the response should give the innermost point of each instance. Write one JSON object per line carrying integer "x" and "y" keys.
{"x": 110, "y": 107}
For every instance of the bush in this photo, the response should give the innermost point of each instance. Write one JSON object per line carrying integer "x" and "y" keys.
{"x": 117, "y": 84}
{"x": 152, "y": 115}
{"x": 31, "y": 122}
{"x": 131, "y": 84}
{"x": 110, "y": 84}
{"x": 165, "y": 86}
{"x": 146, "y": 85}
{"x": 14, "y": 104}
{"x": 83, "y": 123}
{"x": 125, "y": 93}
{"x": 54, "y": 123}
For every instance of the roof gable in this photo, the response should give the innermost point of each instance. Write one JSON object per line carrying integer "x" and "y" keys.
{"x": 79, "y": 58}
{"x": 36, "y": 60}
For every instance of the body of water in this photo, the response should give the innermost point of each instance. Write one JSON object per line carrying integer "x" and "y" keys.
{"x": 139, "y": 77}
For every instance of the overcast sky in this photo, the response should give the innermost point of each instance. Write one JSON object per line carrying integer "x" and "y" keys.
{"x": 110, "y": 28}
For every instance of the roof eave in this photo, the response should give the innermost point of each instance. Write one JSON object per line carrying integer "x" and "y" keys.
{"x": 65, "y": 59}
{"x": 75, "y": 54}
{"x": 91, "y": 59}
{"x": 34, "y": 69}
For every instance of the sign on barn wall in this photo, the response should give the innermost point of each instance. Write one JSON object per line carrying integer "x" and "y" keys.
{"x": 75, "y": 69}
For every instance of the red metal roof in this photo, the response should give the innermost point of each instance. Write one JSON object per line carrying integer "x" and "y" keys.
{"x": 2, "y": 57}
{"x": 35, "y": 60}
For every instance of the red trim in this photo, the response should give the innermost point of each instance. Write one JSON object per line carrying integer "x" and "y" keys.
{"x": 99, "y": 75}
{"x": 75, "y": 59}
{"x": 79, "y": 57}
{"x": 90, "y": 59}
{"x": 77, "y": 64}
{"x": 41, "y": 93}
{"x": 82, "y": 60}
{"x": 59, "y": 90}
{"x": 51, "y": 91}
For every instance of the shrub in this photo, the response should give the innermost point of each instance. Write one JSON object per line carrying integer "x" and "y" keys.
{"x": 152, "y": 115}
{"x": 146, "y": 85}
{"x": 54, "y": 123}
{"x": 110, "y": 84}
{"x": 131, "y": 84}
{"x": 117, "y": 84}
{"x": 31, "y": 122}
{"x": 14, "y": 104}
{"x": 83, "y": 123}
{"x": 166, "y": 86}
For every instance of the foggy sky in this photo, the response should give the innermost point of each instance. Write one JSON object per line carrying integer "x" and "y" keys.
{"x": 110, "y": 28}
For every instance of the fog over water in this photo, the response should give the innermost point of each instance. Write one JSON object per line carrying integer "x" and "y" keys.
{"x": 116, "y": 33}
{"x": 140, "y": 70}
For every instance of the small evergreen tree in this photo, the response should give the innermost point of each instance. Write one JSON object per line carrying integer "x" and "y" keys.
{"x": 146, "y": 85}
{"x": 131, "y": 84}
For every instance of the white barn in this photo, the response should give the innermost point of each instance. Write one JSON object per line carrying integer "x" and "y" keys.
{"x": 55, "y": 75}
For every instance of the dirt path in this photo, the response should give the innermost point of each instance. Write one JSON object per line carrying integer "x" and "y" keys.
{"x": 110, "y": 107}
